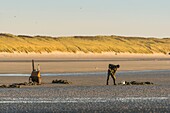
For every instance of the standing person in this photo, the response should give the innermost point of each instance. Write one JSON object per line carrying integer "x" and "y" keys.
{"x": 111, "y": 72}
{"x": 35, "y": 75}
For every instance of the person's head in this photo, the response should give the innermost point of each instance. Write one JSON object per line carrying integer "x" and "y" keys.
{"x": 118, "y": 66}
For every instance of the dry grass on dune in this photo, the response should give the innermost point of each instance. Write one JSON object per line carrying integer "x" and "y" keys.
{"x": 96, "y": 44}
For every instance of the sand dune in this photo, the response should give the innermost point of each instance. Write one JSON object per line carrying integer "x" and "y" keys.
{"x": 86, "y": 44}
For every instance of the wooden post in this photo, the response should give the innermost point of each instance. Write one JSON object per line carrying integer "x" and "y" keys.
{"x": 33, "y": 69}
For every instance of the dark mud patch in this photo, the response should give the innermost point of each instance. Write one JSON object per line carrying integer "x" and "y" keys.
{"x": 60, "y": 82}
{"x": 18, "y": 85}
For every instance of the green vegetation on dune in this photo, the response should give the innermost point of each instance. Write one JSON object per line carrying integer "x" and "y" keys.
{"x": 96, "y": 44}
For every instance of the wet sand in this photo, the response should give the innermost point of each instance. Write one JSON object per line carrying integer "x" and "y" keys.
{"x": 94, "y": 78}
{"x": 81, "y": 62}
{"x": 88, "y": 93}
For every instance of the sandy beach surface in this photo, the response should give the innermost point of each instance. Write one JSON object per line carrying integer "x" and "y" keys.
{"x": 87, "y": 92}
{"x": 81, "y": 62}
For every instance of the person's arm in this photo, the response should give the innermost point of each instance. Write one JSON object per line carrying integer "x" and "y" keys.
{"x": 113, "y": 71}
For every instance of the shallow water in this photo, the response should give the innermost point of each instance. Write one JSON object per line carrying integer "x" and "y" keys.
{"x": 143, "y": 72}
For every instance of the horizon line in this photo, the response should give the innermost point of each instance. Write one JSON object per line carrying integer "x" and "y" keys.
{"x": 93, "y": 35}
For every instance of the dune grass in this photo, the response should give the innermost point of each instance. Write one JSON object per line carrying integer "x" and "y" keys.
{"x": 95, "y": 44}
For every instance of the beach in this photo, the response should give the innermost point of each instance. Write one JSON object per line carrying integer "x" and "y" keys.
{"x": 88, "y": 91}
{"x": 89, "y": 56}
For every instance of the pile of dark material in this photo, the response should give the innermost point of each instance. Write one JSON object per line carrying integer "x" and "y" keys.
{"x": 18, "y": 85}
{"x": 61, "y": 81}
{"x": 136, "y": 83}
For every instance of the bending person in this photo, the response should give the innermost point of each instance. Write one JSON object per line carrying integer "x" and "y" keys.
{"x": 111, "y": 72}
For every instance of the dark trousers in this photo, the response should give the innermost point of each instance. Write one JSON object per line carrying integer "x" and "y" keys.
{"x": 35, "y": 79}
{"x": 114, "y": 79}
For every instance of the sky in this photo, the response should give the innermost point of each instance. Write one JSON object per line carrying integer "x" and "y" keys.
{"x": 148, "y": 18}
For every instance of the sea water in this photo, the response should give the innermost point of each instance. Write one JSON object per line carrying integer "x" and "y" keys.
{"x": 138, "y": 72}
